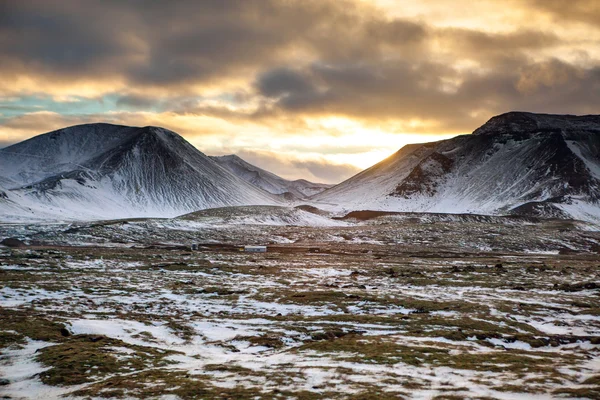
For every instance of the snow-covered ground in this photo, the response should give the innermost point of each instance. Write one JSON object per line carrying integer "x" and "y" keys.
{"x": 363, "y": 316}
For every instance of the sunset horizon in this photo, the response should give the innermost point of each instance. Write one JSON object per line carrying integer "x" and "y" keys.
{"x": 314, "y": 90}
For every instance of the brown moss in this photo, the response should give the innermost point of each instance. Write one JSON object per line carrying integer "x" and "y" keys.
{"x": 83, "y": 358}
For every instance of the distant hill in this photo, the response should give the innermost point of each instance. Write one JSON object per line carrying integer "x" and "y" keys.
{"x": 268, "y": 181}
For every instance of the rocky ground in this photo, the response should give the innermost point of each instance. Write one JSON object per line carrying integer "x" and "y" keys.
{"x": 395, "y": 307}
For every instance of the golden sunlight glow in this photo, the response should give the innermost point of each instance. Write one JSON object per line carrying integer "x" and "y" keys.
{"x": 386, "y": 74}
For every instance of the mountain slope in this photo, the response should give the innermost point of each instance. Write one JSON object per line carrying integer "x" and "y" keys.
{"x": 268, "y": 181}
{"x": 111, "y": 171}
{"x": 516, "y": 163}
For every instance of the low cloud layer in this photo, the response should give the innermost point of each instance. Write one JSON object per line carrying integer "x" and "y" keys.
{"x": 226, "y": 73}
{"x": 316, "y": 170}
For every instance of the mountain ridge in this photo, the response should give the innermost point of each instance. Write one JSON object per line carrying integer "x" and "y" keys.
{"x": 514, "y": 159}
{"x": 272, "y": 183}
{"x": 104, "y": 170}
{"x": 520, "y": 121}
{"x": 516, "y": 163}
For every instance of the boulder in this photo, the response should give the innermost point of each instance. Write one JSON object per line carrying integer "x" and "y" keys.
{"x": 13, "y": 242}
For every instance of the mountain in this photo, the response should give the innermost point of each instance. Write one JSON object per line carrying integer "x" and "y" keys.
{"x": 268, "y": 181}
{"x": 516, "y": 163}
{"x": 110, "y": 171}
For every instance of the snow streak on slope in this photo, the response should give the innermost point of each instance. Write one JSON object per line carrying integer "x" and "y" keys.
{"x": 108, "y": 171}
{"x": 268, "y": 181}
{"x": 366, "y": 189}
{"x": 522, "y": 163}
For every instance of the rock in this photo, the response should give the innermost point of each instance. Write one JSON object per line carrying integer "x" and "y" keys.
{"x": 391, "y": 272}
{"x": 13, "y": 242}
{"x": 4, "y": 382}
{"x": 537, "y": 342}
{"x": 577, "y": 287}
{"x": 456, "y": 335}
{"x": 581, "y": 304}
{"x": 65, "y": 332}
{"x": 554, "y": 342}
{"x": 328, "y": 335}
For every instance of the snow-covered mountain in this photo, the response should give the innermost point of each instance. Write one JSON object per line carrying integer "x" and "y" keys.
{"x": 268, "y": 181}
{"x": 110, "y": 171}
{"x": 519, "y": 163}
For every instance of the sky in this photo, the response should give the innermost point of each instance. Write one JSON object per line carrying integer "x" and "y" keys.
{"x": 314, "y": 89}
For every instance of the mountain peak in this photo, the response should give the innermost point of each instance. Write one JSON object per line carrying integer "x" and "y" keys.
{"x": 527, "y": 122}
{"x": 517, "y": 162}
{"x": 232, "y": 158}
{"x": 108, "y": 171}
{"x": 268, "y": 181}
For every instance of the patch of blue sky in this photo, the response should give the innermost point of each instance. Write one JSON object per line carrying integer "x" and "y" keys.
{"x": 73, "y": 105}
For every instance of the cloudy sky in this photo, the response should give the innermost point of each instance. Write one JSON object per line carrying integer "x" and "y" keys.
{"x": 314, "y": 89}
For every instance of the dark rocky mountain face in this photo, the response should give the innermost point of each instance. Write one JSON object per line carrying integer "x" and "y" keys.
{"x": 524, "y": 124}
{"x": 109, "y": 171}
{"x": 422, "y": 179}
{"x": 550, "y": 161}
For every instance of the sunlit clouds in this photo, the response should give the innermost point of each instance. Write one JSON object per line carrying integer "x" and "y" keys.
{"x": 312, "y": 89}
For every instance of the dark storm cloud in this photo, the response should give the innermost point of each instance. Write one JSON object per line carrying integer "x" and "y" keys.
{"x": 154, "y": 43}
{"x": 554, "y": 85}
{"x": 479, "y": 45}
{"x": 61, "y": 37}
{"x": 368, "y": 89}
{"x": 165, "y": 43}
{"x": 396, "y": 31}
{"x": 395, "y": 89}
{"x": 295, "y": 57}
{"x": 281, "y": 81}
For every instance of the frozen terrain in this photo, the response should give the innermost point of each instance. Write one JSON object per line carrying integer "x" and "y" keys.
{"x": 372, "y": 306}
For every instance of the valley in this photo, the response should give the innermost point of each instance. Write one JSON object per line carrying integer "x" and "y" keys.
{"x": 299, "y": 200}
{"x": 395, "y": 306}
